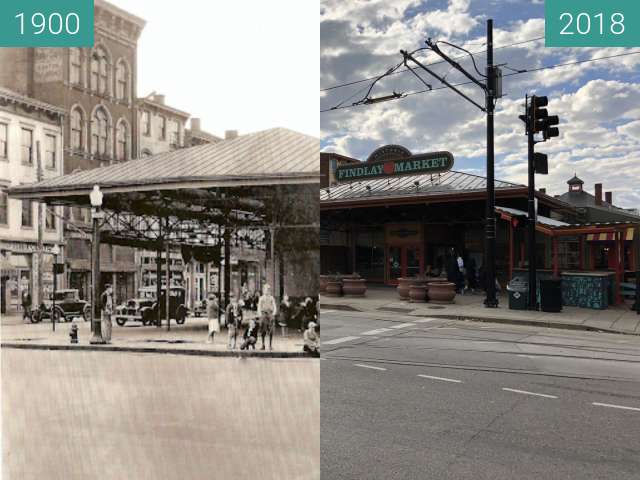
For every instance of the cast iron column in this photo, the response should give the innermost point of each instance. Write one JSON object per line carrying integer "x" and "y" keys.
{"x": 96, "y": 329}
{"x": 227, "y": 265}
{"x": 491, "y": 301}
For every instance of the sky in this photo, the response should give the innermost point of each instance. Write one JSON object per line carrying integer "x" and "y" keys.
{"x": 239, "y": 65}
{"x": 598, "y": 103}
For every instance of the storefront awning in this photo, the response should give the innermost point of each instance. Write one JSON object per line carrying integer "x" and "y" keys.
{"x": 609, "y": 236}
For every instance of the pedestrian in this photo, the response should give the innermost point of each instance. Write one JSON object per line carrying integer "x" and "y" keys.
{"x": 460, "y": 274}
{"x": 311, "y": 340}
{"x": 250, "y": 336}
{"x": 212, "y": 315}
{"x": 266, "y": 313}
{"x": 471, "y": 275}
{"x": 106, "y": 304}
{"x": 26, "y": 304}
{"x": 234, "y": 321}
{"x": 285, "y": 311}
{"x": 309, "y": 313}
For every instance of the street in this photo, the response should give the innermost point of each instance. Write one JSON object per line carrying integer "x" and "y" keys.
{"x": 94, "y": 415}
{"x": 413, "y": 397}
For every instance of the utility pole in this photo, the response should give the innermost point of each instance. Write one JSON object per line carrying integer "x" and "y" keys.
{"x": 491, "y": 301}
{"x": 491, "y": 85}
{"x": 531, "y": 224}
{"x": 38, "y": 298}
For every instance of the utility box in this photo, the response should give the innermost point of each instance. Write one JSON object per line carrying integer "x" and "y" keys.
{"x": 551, "y": 295}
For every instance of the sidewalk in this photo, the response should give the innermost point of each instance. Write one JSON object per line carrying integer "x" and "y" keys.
{"x": 470, "y": 307}
{"x": 187, "y": 339}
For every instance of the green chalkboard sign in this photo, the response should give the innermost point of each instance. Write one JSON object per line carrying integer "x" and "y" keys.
{"x": 586, "y": 291}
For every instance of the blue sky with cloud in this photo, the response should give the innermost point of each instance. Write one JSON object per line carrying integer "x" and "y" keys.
{"x": 598, "y": 103}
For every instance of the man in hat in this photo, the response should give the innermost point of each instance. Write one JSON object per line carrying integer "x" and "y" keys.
{"x": 266, "y": 313}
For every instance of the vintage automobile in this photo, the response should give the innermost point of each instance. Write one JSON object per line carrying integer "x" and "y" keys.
{"x": 145, "y": 308}
{"x": 67, "y": 306}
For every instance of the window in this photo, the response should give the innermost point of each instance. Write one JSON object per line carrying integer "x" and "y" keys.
{"x": 174, "y": 133}
{"x": 99, "y": 71}
{"x": 4, "y": 136}
{"x": 163, "y": 128}
{"x": 50, "y": 219}
{"x": 77, "y": 129}
{"x": 27, "y": 213}
{"x": 121, "y": 141}
{"x": 50, "y": 151}
{"x": 75, "y": 66}
{"x": 146, "y": 123}
{"x": 122, "y": 81}
{"x": 27, "y": 146}
{"x": 4, "y": 208}
{"x": 99, "y": 132}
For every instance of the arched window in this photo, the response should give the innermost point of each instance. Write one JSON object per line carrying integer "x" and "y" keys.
{"x": 77, "y": 129}
{"x": 100, "y": 71}
{"x": 99, "y": 132}
{"x": 122, "y": 133}
{"x": 75, "y": 66}
{"x": 122, "y": 81}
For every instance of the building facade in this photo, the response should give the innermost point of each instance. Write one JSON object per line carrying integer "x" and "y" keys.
{"x": 97, "y": 87}
{"x": 31, "y": 148}
{"x": 161, "y": 127}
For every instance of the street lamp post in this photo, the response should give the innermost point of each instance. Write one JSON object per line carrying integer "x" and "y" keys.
{"x": 55, "y": 251}
{"x": 96, "y": 215}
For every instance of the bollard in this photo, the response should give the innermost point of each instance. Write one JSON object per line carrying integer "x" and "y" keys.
{"x": 73, "y": 333}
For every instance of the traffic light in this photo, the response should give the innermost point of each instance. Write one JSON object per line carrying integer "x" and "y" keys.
{"x": 540, "y": 163}
{"x": 541, "y": 121}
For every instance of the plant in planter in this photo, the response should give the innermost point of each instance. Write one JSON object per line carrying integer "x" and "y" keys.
{"x": 418, "y": 292}
{"x": 334, "y": 286}
{"x": 403, "y": 287}
{"x": 353, "y": 285}
{"x": 441, "y": 292}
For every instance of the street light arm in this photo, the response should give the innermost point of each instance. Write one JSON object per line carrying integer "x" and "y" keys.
{"x": 408, "y": 56}
{"x": 455, "y": 64}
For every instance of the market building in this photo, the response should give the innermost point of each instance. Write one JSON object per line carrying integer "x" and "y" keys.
{"x": 30, "y": 150}
{"x": 401, "y": 215}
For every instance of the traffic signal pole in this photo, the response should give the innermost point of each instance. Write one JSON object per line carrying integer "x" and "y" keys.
{"x": 491, "y": 301}
{"x": 531, "y": 230}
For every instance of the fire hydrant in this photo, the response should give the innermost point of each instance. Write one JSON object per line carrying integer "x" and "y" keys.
{"x": 73, "y": 333}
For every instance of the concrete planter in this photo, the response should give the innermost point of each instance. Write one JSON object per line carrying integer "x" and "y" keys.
{"x": 334, "y": 288}
{"x": 441, "y": 292}
{"x": 403, "y": 288}
{"x": 354, "y": 287}
{"x": 418, "y": 293}
{"x": 323, "y": 283}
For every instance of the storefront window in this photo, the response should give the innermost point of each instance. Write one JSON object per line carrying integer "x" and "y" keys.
{"x": 370, "y": 254}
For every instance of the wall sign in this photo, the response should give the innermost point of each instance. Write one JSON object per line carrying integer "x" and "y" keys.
{"x": 424, "y": 163}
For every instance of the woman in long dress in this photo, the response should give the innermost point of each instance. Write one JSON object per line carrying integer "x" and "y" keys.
{"x": 212, "y": 314}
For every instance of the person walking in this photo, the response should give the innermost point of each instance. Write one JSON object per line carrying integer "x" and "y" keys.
{"x": 234, "y": 321}
{"x": 26, "y": 304}
{"x": 285, "y": 312}
{"x": 266, "y": 314}
{"x": 212, "y": 314}
{"x": 106, "y": 304}
{"x": 461, "y": 274}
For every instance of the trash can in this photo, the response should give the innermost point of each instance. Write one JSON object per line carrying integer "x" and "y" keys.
{"x": 518, "y": 294}
{"x": 551, "y": 295}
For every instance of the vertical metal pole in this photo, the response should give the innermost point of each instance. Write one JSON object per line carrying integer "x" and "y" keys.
{"x": 227, "y": 265}
{"x": 159, "y": 272}
{"x": 531, "y": 230}
{"x": 637, "y": 266}
{"x": 273, "y": 258}
{"x": 167, "y": 290}
{"x": 96, "y": 337}
{"x": 220, "y": 272}
{"x": 37, "y": 297}
{"x": 491, "y": 301}
{"x": 53, "y": 306}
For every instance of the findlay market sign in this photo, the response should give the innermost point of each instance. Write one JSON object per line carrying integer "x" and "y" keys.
{"x": 425, "y": 163}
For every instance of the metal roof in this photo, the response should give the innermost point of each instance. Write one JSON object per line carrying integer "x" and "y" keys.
{"x": 541, "y": 219}
{"x": 16, "y": 97}
{"x": 272, "y": 154}
{"x": 451, "y": 182}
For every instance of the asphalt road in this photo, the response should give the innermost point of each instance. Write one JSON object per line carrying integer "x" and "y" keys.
{"x": 94, "y": 415}
{"x": 411, "y": 398}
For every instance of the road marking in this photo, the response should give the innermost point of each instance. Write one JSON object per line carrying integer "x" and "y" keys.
{"x": 622, "y": 407}
{"x": 526, "y": 356}
{"x": 404, "y": 325}
{"x": 376, "y": 332}
{"x": 322, "y": 310}
{"x": 453, "y": 380}
{"x": 335, "y": 341}
{"x": 524, "y": 392}
{"x": 369, "y": 366}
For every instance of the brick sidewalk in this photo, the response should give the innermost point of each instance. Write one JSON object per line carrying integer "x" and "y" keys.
{"x": 620, "y": 319}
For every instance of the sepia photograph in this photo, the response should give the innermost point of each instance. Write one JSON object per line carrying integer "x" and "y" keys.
{"x": 159, "y": 225}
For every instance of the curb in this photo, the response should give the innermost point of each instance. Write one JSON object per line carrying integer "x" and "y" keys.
{"x": 532, "y": 323}
{"x": 171, "y": 351}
